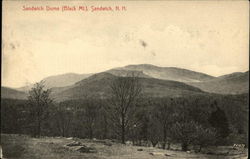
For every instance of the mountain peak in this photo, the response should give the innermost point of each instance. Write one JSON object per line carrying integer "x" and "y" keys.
{"x": 146, "y": 66}
{"x": 96, "y": 77}
{"x": 169, "y": 73}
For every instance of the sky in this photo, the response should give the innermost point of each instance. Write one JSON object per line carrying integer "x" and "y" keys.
{"x": 204, "y": 36}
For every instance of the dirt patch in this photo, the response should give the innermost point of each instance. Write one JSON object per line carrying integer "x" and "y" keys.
{"x": 13, "y": 147}
{"x": 21, "y": 147}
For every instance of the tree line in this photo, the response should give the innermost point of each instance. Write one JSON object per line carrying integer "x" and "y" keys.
{"x": 128, "y": 115}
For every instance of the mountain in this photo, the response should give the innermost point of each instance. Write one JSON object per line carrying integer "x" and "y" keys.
{"x": 68, "y": 79}
{"x": 169, "y": 73}
{"x": 10, "y": 93}
{"x": 97, "y": 85}
{"x": 240, "y": 75}
{"x": 157, "y": 81}
{"x": 62, "y": 80}
{"x": 125, "y": 73}
{"x": 235, "y": 83}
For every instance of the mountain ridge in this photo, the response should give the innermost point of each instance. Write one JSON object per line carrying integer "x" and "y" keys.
{"x": 61, "y": 80}
{"x": 169, "y": 73}
{"x": 234, "y": 83}
{"x": 11, "y": 93}
{"x": 98, "y": 86}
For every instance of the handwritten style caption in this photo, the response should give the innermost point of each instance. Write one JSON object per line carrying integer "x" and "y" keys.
{"x": 75, "y": 8}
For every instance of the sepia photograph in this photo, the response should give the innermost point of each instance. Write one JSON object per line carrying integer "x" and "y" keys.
{"x": 125, "y": 79}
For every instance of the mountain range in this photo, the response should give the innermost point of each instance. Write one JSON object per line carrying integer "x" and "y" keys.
{"x": 235, "y": 83}
{"x": 169, "y": 73}
{"x": 58, "y": 81}
{"x": 156, "y": 81}
{"x": 12, "y": 93}
{"x": 98, "y": 85}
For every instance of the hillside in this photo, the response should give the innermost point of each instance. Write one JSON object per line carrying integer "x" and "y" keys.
{"x": 142, "y": 70}
{"x": 69, "y": 79}
{"x": 12, "y": 93}
{"x": 169, "y": 73}
{"x": 235, "y": 83}
{"x": 160, "y": 79}
{"x": 232, "y": 75}
{"x": 62, "y": 80}
{"x": 98, "y": 85}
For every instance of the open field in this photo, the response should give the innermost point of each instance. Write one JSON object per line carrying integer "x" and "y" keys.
{"x": 24, "y": 147}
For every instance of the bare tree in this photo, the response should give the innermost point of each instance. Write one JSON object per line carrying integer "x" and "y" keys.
{"x": 164, "y": 114}
{"x": 125, "y": 92}
{"x": 204, "y": 136}
{"x": 39, "y": 99}
{"x": 184, "y": 132}
{"x": 63, "y": 119}
{"x": 90, "y": 113}
{"x": 154, "y": 134}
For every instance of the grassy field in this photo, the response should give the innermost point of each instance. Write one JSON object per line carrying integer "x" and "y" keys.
{"x": 24, "y": 147}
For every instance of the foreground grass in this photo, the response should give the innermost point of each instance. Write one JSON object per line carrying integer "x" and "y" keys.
{"x": 24, "y": 147}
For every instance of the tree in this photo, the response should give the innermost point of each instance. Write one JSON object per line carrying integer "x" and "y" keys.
{"x": 102, "y": 125}
{"x": 154, "y": 133}
{"x": 219, "y": 121}
{"x": 13, "y": 116}
{"x": 39, "y": 100}
{"x": 204, "y": 136}
{"x": 164, "y": 114}
{"x": 63, "y": 119}
{"x": 125, "y": 92}
{"x": 184, "y": 132}
{"x": 90, "y": 111}
{"x": 193, "y": 133}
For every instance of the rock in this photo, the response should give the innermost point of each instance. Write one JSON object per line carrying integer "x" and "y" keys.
{"x": 167, "y": 155}
{"x": 151, "y": 153}
{"x": 174, "y": 149}
{"x": 104, "y": 142}
{"x": 210, "y": 153}
{"x": 139, "y": 149}
{"x": 107, "y": 144}
{"x": 129, "y": 143}
{"x": 157, "y": 153}
{"x": 223, "y": 153}
{"x": 85, "y": 149}
{"x": 191, "y": 151}
{"x": 70, "y": 138}
{"x": 75, "y": 143}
